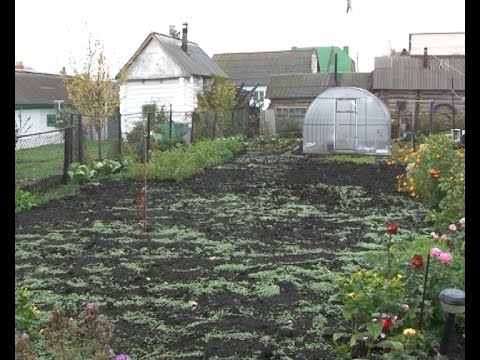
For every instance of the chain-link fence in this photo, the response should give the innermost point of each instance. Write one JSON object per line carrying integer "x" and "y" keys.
{"x": 40, "y": 159}
{"x": 217, "y": 123}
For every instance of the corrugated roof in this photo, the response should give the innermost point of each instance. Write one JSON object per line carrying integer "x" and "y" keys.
{"x": 38, "y": 88}
{"x": 311, "y": 85}
{"x": 194, "y": 62}
{"x": 408, "y": 73}
{"x": 256, "y": 68}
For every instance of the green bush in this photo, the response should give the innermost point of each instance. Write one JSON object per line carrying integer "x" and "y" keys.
{"x": 435, "y": 175}
{"x": 24, "y": 200}
{"x": 27, "y": 315}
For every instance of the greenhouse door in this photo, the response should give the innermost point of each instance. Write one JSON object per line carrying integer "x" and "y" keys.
{"x": 345, "y": 124}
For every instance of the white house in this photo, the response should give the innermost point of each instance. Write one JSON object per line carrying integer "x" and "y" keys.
{"x": 37, "y": 98}
{"x": 167, "y": 71}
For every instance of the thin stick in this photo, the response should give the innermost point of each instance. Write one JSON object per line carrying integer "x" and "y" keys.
{"x": 420, "y": 323}
{"x": 145, "y": 184}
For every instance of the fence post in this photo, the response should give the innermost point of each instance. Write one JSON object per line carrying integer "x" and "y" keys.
{"x": 147, "y": 135}
{"x": 215, "y": 124}
{"x": 67, "y": 154}
{"x": 192, "y": 138}
{"x": 119, "y": 134}
{"x": 80, "y": 138}
{"x": 170, "y": 130}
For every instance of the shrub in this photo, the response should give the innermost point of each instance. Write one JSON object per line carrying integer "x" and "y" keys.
{"x": 24, "y": 200}
{"x": 435, "y": 174}
{"x": 91, "y": 337}
{"x": 27, "y": 315}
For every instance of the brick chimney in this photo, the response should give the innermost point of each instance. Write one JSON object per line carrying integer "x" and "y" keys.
{"x": 184, "y": 38}
{"x": 19, "y": 65}
{"x": 425, "y": 58}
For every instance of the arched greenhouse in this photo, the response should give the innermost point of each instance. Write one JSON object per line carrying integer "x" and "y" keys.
{"x": 346, "y": 120}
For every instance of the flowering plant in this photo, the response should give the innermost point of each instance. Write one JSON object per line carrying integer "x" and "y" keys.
{"x": 91, "y": 336}
{"x": 404, "y": 307}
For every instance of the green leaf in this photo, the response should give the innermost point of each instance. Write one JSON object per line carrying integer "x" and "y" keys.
{"x": 374, "y": 329}
{"x": 339, "y": 335}
{"x": 390, "y": 344}
{"x": 355, "y": 338}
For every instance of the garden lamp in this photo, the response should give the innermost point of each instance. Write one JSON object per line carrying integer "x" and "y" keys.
{"x": 453, "y": 303}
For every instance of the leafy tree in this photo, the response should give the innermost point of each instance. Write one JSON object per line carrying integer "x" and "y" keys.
{"x": 219, "y": 97}
{"x": 91, "y": 91}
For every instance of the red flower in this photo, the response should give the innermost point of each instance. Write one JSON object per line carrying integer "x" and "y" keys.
{"x": 387, "y": 323}
{"x": 417, "y": 261}
{"x": 392, "y": 228}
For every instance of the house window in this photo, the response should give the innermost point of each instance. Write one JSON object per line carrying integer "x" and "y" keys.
{"x": 293, "y": 112}
{"x": 259, "y": 95}
{"x": 51, "y": 120}
{"x": 402, "y": 105}
{"x": 282, "y": 112}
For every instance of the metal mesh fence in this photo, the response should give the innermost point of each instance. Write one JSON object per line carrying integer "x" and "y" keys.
{"x": 217, "y": 123}
{"x": 39, "y": 160}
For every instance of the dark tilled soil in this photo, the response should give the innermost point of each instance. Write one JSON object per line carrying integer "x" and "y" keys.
{"x": 262, "y": 178}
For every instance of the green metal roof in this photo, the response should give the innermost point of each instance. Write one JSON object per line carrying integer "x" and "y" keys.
{"x": 326, "y": 59}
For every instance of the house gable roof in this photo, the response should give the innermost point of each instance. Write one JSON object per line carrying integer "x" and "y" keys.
{"x": 38, "y": 89}
{"x": 283, "y": 86}
{"x": 194, "y": 62}
{"x": 256, "y": 68}
{"x": 408, "y": 73}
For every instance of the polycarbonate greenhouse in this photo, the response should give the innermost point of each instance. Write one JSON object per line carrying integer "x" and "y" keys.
{"x": 346, "y": 120}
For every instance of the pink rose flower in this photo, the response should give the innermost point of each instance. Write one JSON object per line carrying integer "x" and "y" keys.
{"x": 462, "y": 221}
{"x": 452, "y": 227}
{"x": 404, "y": 307}
{"x": 445, "y": 257}
{"x": 435, "y": 252}
{"x": 444, "y": 237}
{"x": 434, "y": 235}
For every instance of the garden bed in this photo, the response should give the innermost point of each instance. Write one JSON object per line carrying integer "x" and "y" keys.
{"x": 236, "y": 263}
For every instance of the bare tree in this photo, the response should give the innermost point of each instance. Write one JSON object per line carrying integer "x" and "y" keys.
{"x": 21, "y": 126}
{"x": 91, "y": 91}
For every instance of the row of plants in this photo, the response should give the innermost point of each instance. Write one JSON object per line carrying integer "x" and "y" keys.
{"x": 392, "y": 309}
{"x": 186, "y": 160}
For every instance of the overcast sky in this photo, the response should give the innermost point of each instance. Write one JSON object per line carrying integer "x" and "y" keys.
{"x": 50, "y": 34}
